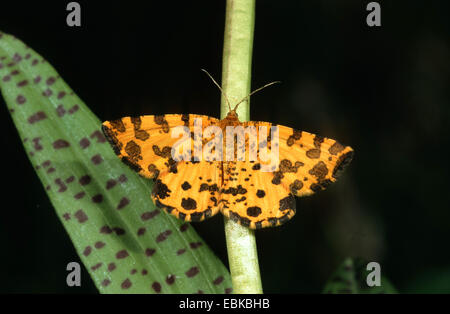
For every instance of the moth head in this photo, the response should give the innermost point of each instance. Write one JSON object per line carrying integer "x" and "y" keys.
{"x": 232, "y": 112}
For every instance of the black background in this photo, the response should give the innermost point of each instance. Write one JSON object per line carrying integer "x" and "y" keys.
{"x": 384, "y": 91}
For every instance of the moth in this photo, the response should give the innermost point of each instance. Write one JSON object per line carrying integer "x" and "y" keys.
{"x": 196, "y": 176}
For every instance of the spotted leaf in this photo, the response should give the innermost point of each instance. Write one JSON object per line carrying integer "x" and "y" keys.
{"x": 126, "y": 243}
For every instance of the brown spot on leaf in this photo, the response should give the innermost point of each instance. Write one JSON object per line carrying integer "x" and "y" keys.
{"x": 50, "y": 80}
{"x": 99, "y": 244}
{"x": 156, "y": 286}
{"x": 84, "y": 180}
{"x": 22, "y": 83}
{"x": 98, "y": 198}
{"x": 110, "y": 184}
{"x": 184, "y": 227}
{"x": 62, "y": 186}
{"x": 96, "y": 266}
{"x": 87, "y": 250}
{"x": 98, "y": 136}
{"x": 47, "y": 92}
{"x": 123, "y": 202}
{"x": 195, "y": 245}
{"x": 81, "y": 216}
{"x": 58, "y": 144}
{"x": 192, "y": 272}
{"x": 60, "y": 111}
{"x": 111, "y": 267}
{"x": 38, "y": 116}
{"x": 119, "y": 231}
{"x": 106, "y": 282}
{"x": 106, "y": 230}
{"x": 126, "y": 284}
{"x": 218, "y": 280}
{"x": 97, "y": 159}
{"x": 163, "y": 235}
{"x": 122, "y": 254}
{"x": 21, "y": 99}
{"x": 170, "y": 279}
{"x": 79, "y": 195}
{"x": 149, "y": 215}
{"x": 141, "y": 231}
{"x": 84, "y": 143}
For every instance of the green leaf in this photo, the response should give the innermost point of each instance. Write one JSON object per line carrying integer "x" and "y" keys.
{"x": 126, "y": 243}
{"x": 350, "y": 277}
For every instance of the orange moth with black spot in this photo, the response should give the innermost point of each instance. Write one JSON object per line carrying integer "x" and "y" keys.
{"x": 249, "y": 171}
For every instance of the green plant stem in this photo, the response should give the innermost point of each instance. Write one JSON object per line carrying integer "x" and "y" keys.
{"x": 236, "y": 80}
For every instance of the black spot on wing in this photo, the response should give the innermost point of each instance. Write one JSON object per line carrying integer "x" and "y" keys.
{"x": 112, "y": 139}
{"x": 208, "y": 213}
{"x": 240, "y": 220}
{"x": 342, "y": 162}
{"x": 260, "y": 193}
{"x": 118, "y": 125}
{"x": 256, "y": 166}
{"x": 321, "y": 185}
{"x": 319, "y": 170}
{"x": 186, "y": 186}
{"x": 133, "y": 150}
{"x": 196, "y": 216}
{"x": 188, "y": 203}
{"x": 235, "y": 191}
{"x": 167, "y": 208}
{"x": 161, "y": 190}
{"x": 336, "y": 148}
{"x": 296, "y": 186}
{"x": 287, "y": 203}
{"x": 161, "y": 120}
{"x": 181, "y": 216}
{"x": 134, "y": 166}
{"x": 254, "y": 211}
{"x": 185, "y": 119}
{"x": 154, "y": 172}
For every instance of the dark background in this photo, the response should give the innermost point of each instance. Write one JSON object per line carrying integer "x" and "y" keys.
{"x": 383, "y": 91}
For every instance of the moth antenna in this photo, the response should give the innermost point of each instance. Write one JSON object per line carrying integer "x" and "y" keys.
{"x": 256, "y": 90}
{"x": 225, "y": 95}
